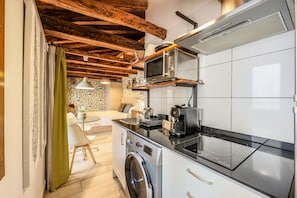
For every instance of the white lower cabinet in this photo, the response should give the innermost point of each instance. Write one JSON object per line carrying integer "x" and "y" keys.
{"x": 119, "y": 135}
{"x": 182, "y": 177}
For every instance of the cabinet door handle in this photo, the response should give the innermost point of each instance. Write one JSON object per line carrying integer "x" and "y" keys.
{"x": 189, "y": 194}
{"x": 199, "y": 177}
{"x": 122, "y": 139}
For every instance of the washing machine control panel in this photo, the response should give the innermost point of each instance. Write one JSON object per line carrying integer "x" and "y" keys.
{"x": 138, "y": 144}
{"x": 147, "y": 150}
{"x": 129, "y": 142}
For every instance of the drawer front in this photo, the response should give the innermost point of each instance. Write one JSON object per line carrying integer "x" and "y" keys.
{"x": 177, "y": 181}
{"x": 185, "y": 178}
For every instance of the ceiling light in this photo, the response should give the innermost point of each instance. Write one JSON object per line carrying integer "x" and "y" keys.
{"x": 84, "y": 84}
{"x": 105, "y": 81}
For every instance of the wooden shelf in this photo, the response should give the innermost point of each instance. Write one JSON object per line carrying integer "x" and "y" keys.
{"x": 178, "y": 82}
{"x": 140, "y": 88}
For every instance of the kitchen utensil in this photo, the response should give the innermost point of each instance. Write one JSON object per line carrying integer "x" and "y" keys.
{"x": 148, "y": 112}
{"x": 175, "y": 112}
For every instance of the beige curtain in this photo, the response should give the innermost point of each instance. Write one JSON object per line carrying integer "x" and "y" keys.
{"x": 50, "y": 73}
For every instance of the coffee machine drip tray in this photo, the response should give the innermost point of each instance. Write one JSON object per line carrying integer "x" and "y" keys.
{"x": 227, "y": 152}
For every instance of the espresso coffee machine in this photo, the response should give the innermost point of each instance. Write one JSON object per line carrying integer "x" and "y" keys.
{"x": 185, "y": 121}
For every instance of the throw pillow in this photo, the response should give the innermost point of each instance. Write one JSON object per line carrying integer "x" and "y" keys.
{"x": 121, "y": 108}
{"x": 127, "y": 108}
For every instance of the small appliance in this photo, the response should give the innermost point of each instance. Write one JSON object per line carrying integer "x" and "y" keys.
{"x": 169, "y": 65}
{"x": 143, "y": 167}
{"x": 185, "y": 121}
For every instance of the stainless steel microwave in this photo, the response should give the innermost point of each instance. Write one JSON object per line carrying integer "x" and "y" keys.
{"x": 171, "y": 65}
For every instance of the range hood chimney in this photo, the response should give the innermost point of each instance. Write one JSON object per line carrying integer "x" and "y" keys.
{"x": 243, "y": 21}
{"x": 228, "y": 5}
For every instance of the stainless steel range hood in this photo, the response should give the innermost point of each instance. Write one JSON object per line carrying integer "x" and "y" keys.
{"x": 254, "y": 20}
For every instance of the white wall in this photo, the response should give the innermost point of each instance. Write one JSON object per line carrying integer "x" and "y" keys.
{"x": 116, "y": 94}
{"x": 11, "y": 184}
{"x": 162, "y": 13}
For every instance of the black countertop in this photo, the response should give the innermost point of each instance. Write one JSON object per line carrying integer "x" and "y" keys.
{"x": 269, "y": 169}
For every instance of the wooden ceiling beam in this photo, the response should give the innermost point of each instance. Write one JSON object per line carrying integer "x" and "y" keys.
{"x": 66, "y": 15}
{"x": 93, "y": 23}
{"x": 96, "y": 74}
{"x": 92, "y": 76}
{"x": 142, "y": 40}
{"x": 129, "y": 6}
{"x": 73, "y": 16}
{"x": 75, "y": 45}
{"x": 92, "y": 60}
{"x": 92, "y": 68}
{"x": 120, "y": 31}
{"x": 61, "y": 42}
{"x": 110, "y": 67}
{"x": 100, "y": 51}
{"x": 69, "y": 31}
{"x": 96, "y": 56}
{"x": 106, "y": 12}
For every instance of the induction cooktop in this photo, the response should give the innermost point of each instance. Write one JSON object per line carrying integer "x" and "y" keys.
{"x": 225, "y": 151}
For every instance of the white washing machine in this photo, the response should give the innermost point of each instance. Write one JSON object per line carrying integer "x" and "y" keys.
{"x": 143, "y": 169}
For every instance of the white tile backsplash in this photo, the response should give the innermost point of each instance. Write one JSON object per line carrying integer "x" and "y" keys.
{"x": 216, "y": 112}
{"x": 271, "y": 118}
{"x": 213, "y": 59}
{"x": 170, "y": 102}
{"x": 156, "y": 93}
{"x": 172, "y": 92}
{"x": 262, "y": 86}
{"x": 269, "y": 75}
{"x": 264, "y": 46}
{"x": 157, "y": 105}
{"x": 217, "y": 81}
{"x": 165, "y": 109}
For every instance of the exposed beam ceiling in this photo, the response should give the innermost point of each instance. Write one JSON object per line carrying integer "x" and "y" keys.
{"x": 97, "y": 74}
{"x": 128, "y": 6}
{"x": 96, "y": 69}
{"x": 100, "y": 65}
{"x": 96, "y": 56}
{"x": 109, "y": 13}
{"x": 90, "y": 75}
{"x": 67, "y": 30}
{"x": 108, "y": 32}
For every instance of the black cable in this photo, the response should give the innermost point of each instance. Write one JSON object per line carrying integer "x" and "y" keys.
{"x": 189, "y": 104}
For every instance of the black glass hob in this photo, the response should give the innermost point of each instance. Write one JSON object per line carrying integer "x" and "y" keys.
{"x": 225, "y": 151}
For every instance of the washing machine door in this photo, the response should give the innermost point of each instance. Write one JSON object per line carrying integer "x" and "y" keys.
{"x": 137, "y": 177}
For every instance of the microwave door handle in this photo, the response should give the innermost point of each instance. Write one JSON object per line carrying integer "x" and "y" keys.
{"x": 165, "y": 64}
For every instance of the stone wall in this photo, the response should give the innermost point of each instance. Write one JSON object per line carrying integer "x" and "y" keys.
{"x": 96, "y": 100}
{"x": 127, "y": 92}
{"x": 91, "y": 100}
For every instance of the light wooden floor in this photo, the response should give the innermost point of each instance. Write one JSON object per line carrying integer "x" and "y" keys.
{"x": 89, "y": 180}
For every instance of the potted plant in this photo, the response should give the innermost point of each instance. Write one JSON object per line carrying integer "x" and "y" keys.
{"x": 81, "y": 113}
